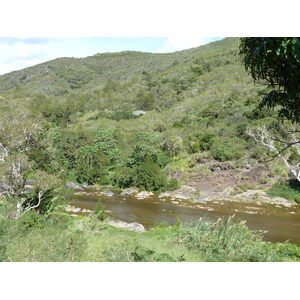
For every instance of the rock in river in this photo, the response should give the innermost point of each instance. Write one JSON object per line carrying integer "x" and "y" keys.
{"x": 129, "y": 192}
{"x": 130, "y": 226}
{"x": 108, "y": 193}
{"x": 143, "y": 195}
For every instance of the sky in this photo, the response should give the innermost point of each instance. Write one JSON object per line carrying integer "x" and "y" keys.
{"x": 19, "y": 53}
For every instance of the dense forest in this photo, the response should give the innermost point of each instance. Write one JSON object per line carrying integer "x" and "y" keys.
{"x": 155, "y": 122}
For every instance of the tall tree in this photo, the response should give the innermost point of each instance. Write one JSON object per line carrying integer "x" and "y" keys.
{"x": 276, "y": 62}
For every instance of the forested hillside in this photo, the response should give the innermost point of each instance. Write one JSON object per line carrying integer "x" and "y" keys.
{"x": 137, "y": 119}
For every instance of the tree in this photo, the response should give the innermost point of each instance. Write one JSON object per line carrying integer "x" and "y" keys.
{"x": 19, "y": 135}
{"x": 42, "y": 195}
{"x": 149, "y": 176}
{"x": 144, "y": 144}
{"x": 105, "y": 141}
{"x": 91, "y": 165}
{"x": 280, "y": 141}
{"x": 173, "y": 145}
{"x": 275, "y": 61}
{"x": 13, "y": 173}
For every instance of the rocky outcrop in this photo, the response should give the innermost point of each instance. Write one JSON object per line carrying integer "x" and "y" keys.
{"x": 129, "y": 192}
{"x": 143, "y": 195}
{"x": 73, "y": 209}
{"x": 185, "y": 192}
{"x": 139, "y": 112}
{"x": 129, "y": 226}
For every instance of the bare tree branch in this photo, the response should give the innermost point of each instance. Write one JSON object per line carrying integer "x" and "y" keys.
{"x": 262, "y": 136}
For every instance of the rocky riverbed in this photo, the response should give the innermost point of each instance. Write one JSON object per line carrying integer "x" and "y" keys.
{"x": 187, "y": 193}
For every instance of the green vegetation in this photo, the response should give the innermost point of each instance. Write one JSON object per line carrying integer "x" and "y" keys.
{"x": 276, "y": 61}
{"x": 286, "y": 189}
{"x": 132, "y": 119}
{"x": 88, "y": 127}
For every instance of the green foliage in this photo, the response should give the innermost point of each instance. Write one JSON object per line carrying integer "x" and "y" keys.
{"x": 31, "y": 221}
{"x": 172, "y": 185}
{"x": 285, "y": 189}
{"x": 123, "y": 177}
{"x": 91, "y": 165}
{"x": 145, "y": 100}
{"x": 206, "y": 141}
{"x": 111, "y": 85}
{"x": 99, "y": 212}
{"x": 221, "y": 240}
{"x": 143, "y": 254}
{"x": 123, "y": 115}
{"x": 149, "y": 176}
{"x": 134, "y": 252}
{"x": 227, "y": 150}
{"x": 276, "y": 61}
{"x": 105, "y": 141}
{"x": 144, "y": 144}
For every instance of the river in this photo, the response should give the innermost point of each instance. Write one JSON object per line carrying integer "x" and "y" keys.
{"x": 278, "y": 223}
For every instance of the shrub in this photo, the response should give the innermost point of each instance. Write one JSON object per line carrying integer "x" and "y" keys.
{"x": 123, "y": 177}
{"x": 172, "y": 185}
{"x": 206, "y": 141}
{"x": 123, "y": 115}
{"x": 99, "y": 212}
{"x": 228, "y": 150}
{"x": 105, "y": 141}
{"x": 285, "y": 189}
{"x": 149, "y": 176}
{"x": 222, "y": 240}
{"x": 91, "y": 164}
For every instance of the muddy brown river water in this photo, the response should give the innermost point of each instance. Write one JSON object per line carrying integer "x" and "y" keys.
{"x": 277, "y": 222}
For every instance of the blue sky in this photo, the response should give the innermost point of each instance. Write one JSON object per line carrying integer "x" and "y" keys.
{"x": 19, "y": 53}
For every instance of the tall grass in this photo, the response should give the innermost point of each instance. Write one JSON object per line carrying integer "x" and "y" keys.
{"x": 223, "y": 240}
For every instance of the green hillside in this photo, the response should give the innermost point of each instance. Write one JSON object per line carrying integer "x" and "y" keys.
{"x": 196, "y": 106}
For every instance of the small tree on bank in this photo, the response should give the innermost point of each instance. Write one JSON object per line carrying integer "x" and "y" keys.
{"x": 42, "y": 195}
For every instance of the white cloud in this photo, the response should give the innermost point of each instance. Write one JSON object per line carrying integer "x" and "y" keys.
{"x": 184, "y": 42}
{"x": 19, "y": 54}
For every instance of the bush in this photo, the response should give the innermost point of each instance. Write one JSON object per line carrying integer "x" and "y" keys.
{"x": 206, "y": 141}
{"x": 222, "y": 240}
{"x": 149, "y": 176}
{"x": 91, "y": 165}
{"x": 99, "y": 212}
{"x": 123, "y": 177}
{"x": 285, "y": 189}
{"x": 123, "y": 115}
{"x": 228, "y": 150}
{"x": 172, "y": 185}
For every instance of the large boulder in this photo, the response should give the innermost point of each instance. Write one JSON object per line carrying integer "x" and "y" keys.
{"x": 143, "y": 195}
{"x": 129, "y": 226}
